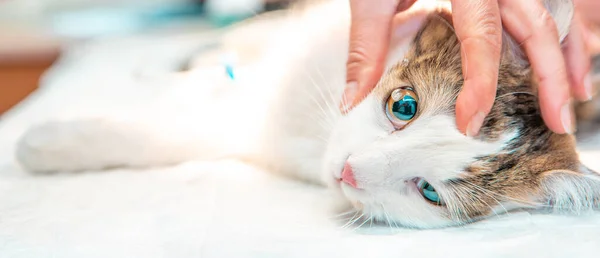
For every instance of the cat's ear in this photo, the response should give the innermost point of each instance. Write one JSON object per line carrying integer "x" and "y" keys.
{"x": 407, "y": 24}
{"x": 562, "y": 14}
{"x": 571, "y": 191}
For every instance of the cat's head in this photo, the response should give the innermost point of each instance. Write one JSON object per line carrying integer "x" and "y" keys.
{"x": 399, "y": 157}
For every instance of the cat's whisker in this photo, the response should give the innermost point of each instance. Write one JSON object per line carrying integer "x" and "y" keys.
{"x": 481, "y": 190}
{"x": 369, "y": 218}
{"x": 515, "y": 93}
{"x": 474, "y": 197}
{"x": 521, "y": 201}
{"x": 387, "y": 217}
{"x": 334, "y": 111}
{"x": 323, "y": 111}
{"x": 348, "y": 222}
{"x": 346, "y": 213}
{"x": 352, "y": 222}
{"x": 323, "y": 119}
{"x": 327, "y": 112}
{"x": 449, "y": 196}
{"x": 529, "y": 203}
{"x": 488, "y": 205}
{"x": 462, "y": 208}
{"x": 452, "y": 204}
{"x": 328, "y": 102}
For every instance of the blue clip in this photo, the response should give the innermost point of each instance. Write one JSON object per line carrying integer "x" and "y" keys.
{"x": 229, "y": 71}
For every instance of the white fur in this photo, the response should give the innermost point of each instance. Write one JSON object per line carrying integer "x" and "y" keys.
{"x": 384, "y": 162}
{"x": 282, "y": 112}
{"x": 571, "y": 192}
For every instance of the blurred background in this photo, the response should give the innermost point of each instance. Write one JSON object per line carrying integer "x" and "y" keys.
{"x": 33, "y": 33}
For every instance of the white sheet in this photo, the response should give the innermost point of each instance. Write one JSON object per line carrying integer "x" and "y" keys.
{"x": 223, "y": 209}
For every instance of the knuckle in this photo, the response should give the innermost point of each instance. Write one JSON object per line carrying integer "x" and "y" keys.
{"x": 559, "y": 75}
{"x": 484, "y": 87}
{"x": 357, "y": 56}
{"x": 545, "y": 21}
{"x": 496, "y": 43}
{"x": 488, "y": 82}
{"x": 488, "y": 30}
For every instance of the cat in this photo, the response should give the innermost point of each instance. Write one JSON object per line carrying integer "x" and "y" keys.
{"x": 397, "y": 157}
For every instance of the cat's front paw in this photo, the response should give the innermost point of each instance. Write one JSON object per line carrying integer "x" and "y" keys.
{"x": 39, "y": 148}
{"x": 57, "y": 146}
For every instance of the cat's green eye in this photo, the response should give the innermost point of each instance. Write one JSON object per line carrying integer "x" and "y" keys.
{"x": 402, "y": 106}
{"x": 428, "y": 192}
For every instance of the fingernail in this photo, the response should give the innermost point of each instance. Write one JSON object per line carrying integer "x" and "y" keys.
{"x": 349, "y": 95}
{"x": 566, "y": 117}
{"x": 475, "y": 124}
{"x": 587, "y": 84}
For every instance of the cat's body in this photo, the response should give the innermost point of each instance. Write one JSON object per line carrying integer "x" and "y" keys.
{"x": 215, "y": 117}
{"x": 281, "y": 112}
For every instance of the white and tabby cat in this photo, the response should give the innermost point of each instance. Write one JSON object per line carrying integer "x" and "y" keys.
{"x": 397, "y": 157}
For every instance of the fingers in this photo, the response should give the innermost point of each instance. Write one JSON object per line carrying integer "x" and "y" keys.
{"x": 410, "y": 20}
{"x": 588, "y": 15}
{"x": 594, "y": 43}
{"x": 530, "y": 24}
{"x": 578, "y": 61}
{"x": 479, "y": 28}
{"x": 589, "y": 10}
{"x": 593, "y": 40}
{"x": 369, "y": 39}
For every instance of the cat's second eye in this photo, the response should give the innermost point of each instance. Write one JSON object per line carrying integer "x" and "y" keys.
{"x": 402, "y": 106}
{"x": 428, "y": 192}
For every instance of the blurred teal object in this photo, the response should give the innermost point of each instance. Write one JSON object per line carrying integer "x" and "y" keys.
{"x": 229, "y": 61}
{"x": 94, "y": 22}
{"x": 229, "y": 71}
{"x": 222, "y": 13}
{"x": 226, "y": 20}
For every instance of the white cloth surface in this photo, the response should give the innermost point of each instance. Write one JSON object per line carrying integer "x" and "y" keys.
{"x": 216, "y": 209}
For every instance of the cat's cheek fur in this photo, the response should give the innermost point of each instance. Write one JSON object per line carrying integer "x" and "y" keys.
{"x": 407, "y": 208}
{"x": 352, "y": 133}
{"x": 384, "y": 161}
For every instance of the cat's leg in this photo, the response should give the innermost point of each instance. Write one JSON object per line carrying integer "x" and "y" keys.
{"x": 98, "y": 143}
{"x": 224, "y": 124}
{"x": 102, "y": 143}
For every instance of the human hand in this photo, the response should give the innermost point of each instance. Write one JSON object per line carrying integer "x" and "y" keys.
{"x": 478, "y": 25}
{"x": 591, "y": 18}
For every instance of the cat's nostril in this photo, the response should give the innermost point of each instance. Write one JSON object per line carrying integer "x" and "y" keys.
{"x": 348, "y": 175}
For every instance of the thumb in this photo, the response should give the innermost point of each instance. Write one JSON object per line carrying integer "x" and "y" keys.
{"x": 369, "y": 41}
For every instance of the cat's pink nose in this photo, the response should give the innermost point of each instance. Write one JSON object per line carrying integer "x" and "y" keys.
{"x": 348, "y": 175}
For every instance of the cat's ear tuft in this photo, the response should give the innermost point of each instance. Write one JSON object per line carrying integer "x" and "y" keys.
{"x": 562, "y": 13}
{"x": 571, "y": 191}
{"x": 407, "y": 24}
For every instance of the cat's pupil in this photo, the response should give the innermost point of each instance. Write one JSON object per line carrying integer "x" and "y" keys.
{"x": 431, "y": 195}
{"x": 429, "y": 192}
{"x": 405, "y": 108}
{"x": 428, "y": 187}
